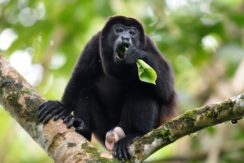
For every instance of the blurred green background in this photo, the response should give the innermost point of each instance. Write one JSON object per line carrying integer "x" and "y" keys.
{"x": 202, "y": 39}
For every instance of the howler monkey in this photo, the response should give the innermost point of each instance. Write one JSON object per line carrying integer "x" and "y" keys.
{"x": 105, "y": 91}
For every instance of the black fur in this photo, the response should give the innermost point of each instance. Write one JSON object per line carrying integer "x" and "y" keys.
{"x": 104, "y": 92}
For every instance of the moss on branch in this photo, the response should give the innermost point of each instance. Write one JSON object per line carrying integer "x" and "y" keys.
{"x": 188, "y": 123}
{"x": 21, "y": 100}
{"x": 65, "y": 145}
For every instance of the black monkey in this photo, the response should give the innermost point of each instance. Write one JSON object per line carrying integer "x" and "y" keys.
{"x": 105, "y": 91}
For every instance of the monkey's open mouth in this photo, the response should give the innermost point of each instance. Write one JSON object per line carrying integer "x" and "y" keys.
{"x": 121, "y": 50}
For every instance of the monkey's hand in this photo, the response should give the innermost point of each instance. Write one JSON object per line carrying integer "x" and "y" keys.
{"x": 56, "y": 110}
{"x": 51, "y": 109}
{"x": 133, "y": 54}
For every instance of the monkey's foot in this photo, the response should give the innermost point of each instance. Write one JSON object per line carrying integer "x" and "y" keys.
{"x": 121, "y": 149}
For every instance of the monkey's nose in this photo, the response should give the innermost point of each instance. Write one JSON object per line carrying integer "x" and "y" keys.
{"x": 125, "y": 39}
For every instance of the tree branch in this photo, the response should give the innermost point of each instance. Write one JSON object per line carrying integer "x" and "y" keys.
{"x": 65, "y": 145}
{"x": 186, "y": 124}
{"x": 22, "y": 101}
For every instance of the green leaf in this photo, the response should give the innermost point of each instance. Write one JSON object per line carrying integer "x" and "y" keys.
{"x": 145, "y": 72}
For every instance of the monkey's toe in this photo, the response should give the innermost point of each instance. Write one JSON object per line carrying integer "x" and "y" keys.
{"x": 121, "y": 150}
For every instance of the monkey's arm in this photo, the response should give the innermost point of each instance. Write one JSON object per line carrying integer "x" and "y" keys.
{"x": 83, "y": 74}
{"x": 164, "y": 88}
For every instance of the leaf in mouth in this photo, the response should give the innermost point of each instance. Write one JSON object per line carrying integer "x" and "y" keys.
{"x": 145, "y": 72}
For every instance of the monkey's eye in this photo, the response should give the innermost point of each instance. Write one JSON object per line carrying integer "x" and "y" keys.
{"x": 119, "y": 29}
{"x": 133, "y": 32}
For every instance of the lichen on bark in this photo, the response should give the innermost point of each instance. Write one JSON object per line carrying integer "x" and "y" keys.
{"x": 188, "y": 123}
{"x": 22, "y": 101}
{"x": 65, "y": 145}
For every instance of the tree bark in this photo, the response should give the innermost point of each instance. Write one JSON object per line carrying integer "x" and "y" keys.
{"x": 21, "y": 100}
{"x": 186, "y": 124}
{"x": 66, "y": 146}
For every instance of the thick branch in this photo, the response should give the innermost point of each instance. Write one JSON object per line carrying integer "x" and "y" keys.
{"x": 65, "y": 145}
{"x": 22, "y": 101}
{"x": 188, "y": 123}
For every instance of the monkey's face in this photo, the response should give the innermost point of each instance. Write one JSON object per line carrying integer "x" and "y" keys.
{"x": 118, "y": 35}
{"x": 123, "y": 38}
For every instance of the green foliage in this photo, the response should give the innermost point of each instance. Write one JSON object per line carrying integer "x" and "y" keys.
{"x": 145, "y": 72}
{"x": 201, "y": 39}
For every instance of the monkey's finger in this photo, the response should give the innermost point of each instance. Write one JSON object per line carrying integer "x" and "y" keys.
{"x": 63, "y": 116}
{"x": 122, "y": 156}
{"x": 50, "y": 115}
{"x": 68, "y": 120}
{"x": 69, "y": 124}
{"x": 59, "y": 115}
{"x": 125, "y": 151}
{"x": 42, "y": 105}
{"x": 49, "y": 111}
{"x": 43, "y": 115}
{"x": 47, "y": 118}
{"x": 118, "y": 152}
{"x": 49, "y": 104}
{"x": 128, "y": 155}
{"x": 45, "y": 110}
{"x": 55, "y": 111}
